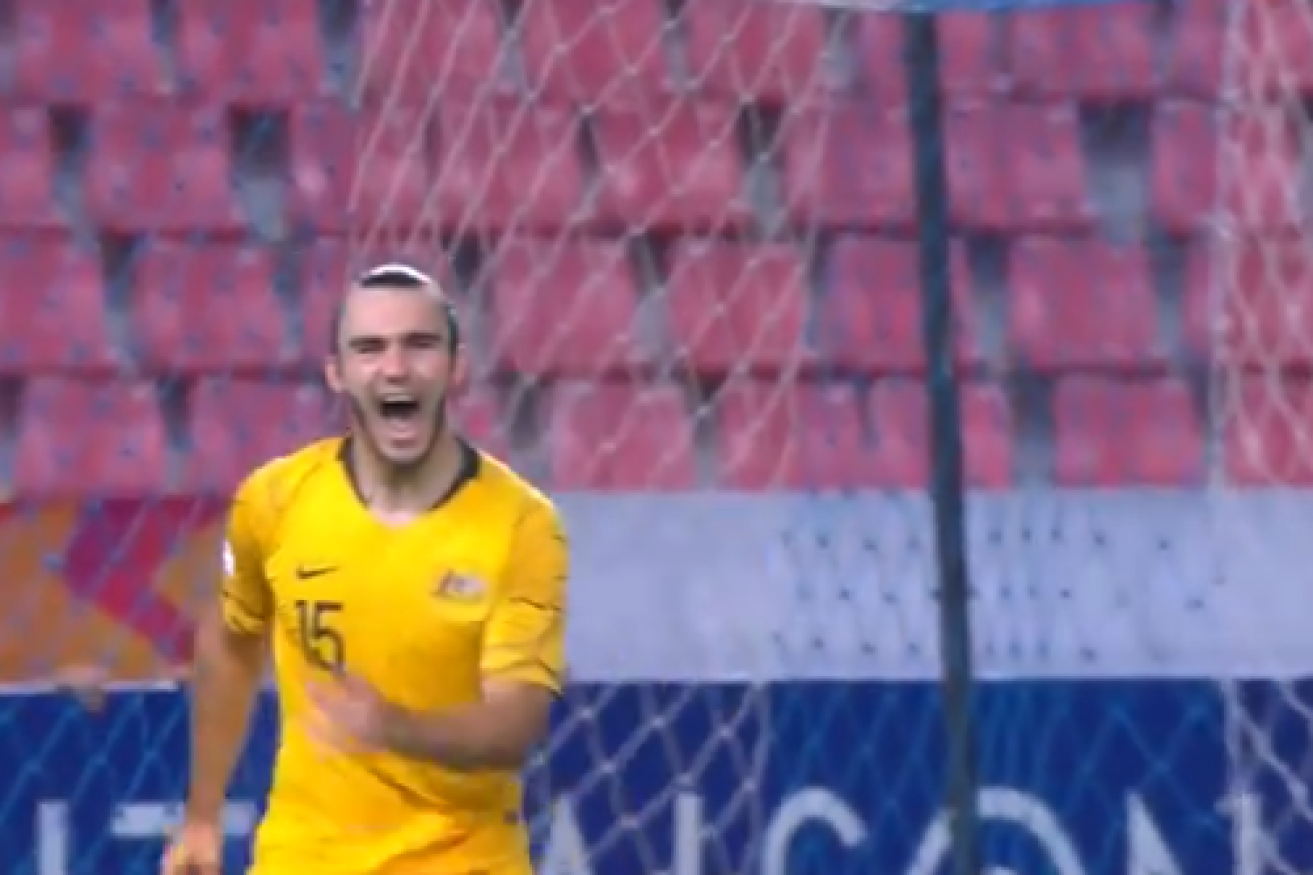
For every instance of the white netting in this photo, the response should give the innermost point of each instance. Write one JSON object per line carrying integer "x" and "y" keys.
{"x": 1259, "y": 268}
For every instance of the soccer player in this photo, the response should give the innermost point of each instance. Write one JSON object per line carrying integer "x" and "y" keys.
{"x": 413, "y": 591}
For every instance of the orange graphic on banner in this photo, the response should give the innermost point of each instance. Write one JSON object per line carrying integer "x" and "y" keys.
{"x": 105, "y": 587}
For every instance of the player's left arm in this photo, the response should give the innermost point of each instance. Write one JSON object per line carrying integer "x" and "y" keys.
{"x": 522, "y": 665}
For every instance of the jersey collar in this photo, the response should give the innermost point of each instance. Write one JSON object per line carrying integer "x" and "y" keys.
{"x": 468, "y": 473}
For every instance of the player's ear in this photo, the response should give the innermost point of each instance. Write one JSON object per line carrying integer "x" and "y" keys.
{"x": 333, "y": 374}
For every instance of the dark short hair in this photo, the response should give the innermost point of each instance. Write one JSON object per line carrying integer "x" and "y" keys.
{"x": 397, "y": 275}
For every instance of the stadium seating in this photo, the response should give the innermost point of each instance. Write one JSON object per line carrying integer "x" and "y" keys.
{"x": 191, "y": 305}
{"x": 161, "y": 167}
{"x": 685, "y": 243}
{"x": 75, "y": 435}
{"x": 620, "y": 436}
{"x": 86, "y": 51}
{"x": 571, "y": 46}
{"x": 27, "y": 171}
{"x": 270, "y": 54}
{"x": 57, "y": 317}
{"x": 849, "y": 164}
{"x": 562, "y": 309}
{"x": 738, "y": 49}
{"x": 1090, "y": 54}
{"x": 1120, "y": 433}
{"x": 232, "y": 429}
{"x": 870, "y": 321}
{"x": 505, "y": 165}
{"x": 1082, "y": 304}
{"x": 971, "y": 64}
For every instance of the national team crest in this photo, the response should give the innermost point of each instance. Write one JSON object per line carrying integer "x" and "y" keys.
{"x": 459, "y": 588}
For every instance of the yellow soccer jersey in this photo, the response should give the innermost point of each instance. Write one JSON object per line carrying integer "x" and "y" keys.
{"x": 473, "y": 589}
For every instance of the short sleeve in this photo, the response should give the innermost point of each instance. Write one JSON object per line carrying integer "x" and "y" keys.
{"x": 244, "y": 591}
{"x": 525, "y": 638}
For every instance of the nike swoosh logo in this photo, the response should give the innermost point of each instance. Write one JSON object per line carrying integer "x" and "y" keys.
{"x": 305, "y": 572}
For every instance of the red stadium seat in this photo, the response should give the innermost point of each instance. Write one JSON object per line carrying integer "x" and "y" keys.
{"x": 970, "y": 68}
{"x": 326, "y": 269}
{"x": 1017, "y": 167}
{"x": 198, "y": 308}
{"x": 482, "y": 417}
{"x": 75, "y": 436}
{"x": 1119, "y": 433}
{"x": 1103, "y": 53}
{"x": 734, "y": 306}
{"x": 157, "y": 167}
{"x": 405, "y": 49}
{"x": 1082, "y": 305}
{"x": 86, "y": 51}
{"x": 1278, "y": 58}
{"x": 618, "y": 436}
{"x": 780, "y": 436}
{"x": 391, "y": 172}
{"x": 27, "y": 170}
{"x": 1047, "y": 166}
{"x": 565, "y": 309}
{"x": 507, "y": 164}
{"x": 1265, "y": 435}
{"x": 1258, "y": 150}
{"x": 1198, "y": 48}
{"x": 262, "y": 52}
{"x": 324, "y": 139}
{"x": 870, "y": 319}
{"x": 53, "y": 315}
{"x": 738, "y": 49}
{"x": 670, "y": 165}
{"x": 1183, "y": 169}
{"x": 581, "y": 52}
{"x": 1251, "y": 303}
{"x": 849, "y": 165}
{"x": 236, "y": 426}
{"x": 978, "y": 168}
{"x": 901, "y": 455}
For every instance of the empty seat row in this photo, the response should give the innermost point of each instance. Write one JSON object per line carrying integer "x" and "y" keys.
{"x": 578, "y": 308}
{"x": 495, "y": 165}
{"x": 266, "y": 51}
{"x": 71, "y": 435}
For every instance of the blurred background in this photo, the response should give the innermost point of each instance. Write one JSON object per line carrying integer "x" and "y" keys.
{"x": 683, "y": 239}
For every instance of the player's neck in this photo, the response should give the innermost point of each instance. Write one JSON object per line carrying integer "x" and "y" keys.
{"x": 398, "y": 495}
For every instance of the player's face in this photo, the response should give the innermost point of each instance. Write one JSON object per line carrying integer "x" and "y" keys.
{"x": 395, "y": 366}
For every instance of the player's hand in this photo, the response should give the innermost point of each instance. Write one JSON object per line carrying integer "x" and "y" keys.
{"x": 196, "y": 849}
{"x": 349, "y": 716}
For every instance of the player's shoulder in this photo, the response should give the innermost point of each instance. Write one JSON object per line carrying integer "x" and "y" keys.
{"x": 512, "y": 488}
{"x": 277, "y": 482}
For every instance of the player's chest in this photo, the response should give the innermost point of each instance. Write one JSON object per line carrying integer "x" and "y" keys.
{"x": 363, "y": 597}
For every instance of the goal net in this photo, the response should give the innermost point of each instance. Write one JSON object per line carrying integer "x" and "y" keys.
{"x": 681, "y": 236}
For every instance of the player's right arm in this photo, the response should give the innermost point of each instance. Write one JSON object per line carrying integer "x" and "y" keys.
{"x": 230, "y": 651}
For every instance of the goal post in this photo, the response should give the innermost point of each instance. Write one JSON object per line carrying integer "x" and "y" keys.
{"x": 682, "y": 237}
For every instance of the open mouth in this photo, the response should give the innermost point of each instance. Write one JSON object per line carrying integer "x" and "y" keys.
{"x": 400, "y": 420}
{"x": 398, "y": 409}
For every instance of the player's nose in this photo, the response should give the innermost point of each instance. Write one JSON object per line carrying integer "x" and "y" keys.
{"x": 395, "y": 365}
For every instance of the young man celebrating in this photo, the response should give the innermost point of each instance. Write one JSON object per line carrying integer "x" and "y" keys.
{"x": 413, "y": 589}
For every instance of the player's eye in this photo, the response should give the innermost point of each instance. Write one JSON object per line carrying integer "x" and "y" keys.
{"x": 367, "y": 345}
{"x": 423, "y": 341}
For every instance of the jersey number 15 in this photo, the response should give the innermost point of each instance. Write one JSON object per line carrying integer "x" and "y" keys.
{"x": 321, "y": 641}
